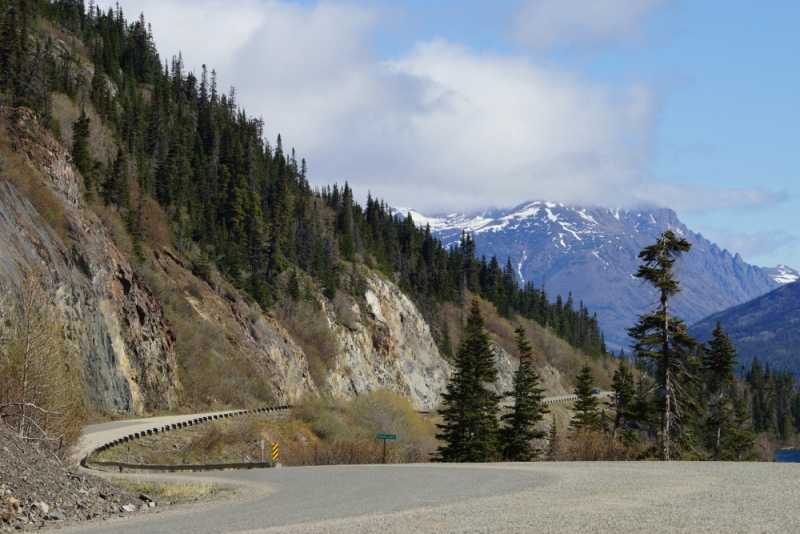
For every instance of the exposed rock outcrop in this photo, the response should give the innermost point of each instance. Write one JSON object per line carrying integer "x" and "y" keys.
{"x": 387, "y": 346}
{"x": 506, "y": 367}
{"x": 112, "y": 321}
{"x": 550, "y": 380}
{"x": 251, "y": 335}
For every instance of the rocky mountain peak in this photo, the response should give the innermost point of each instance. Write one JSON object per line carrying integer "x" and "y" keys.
{"x": 592, "y": 253}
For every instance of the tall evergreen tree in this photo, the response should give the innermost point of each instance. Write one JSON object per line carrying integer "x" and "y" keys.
{"x": 80, "y": 150}
{"x": 659, "y": 337}
{"x": 528, "y": 409}
{"x": 470, "y": 415}
{"x": 446, "y": 344}
{"x": 624, "y": 398}
{"x": 587, "y": 407}
{"x": 719, "y": 362}
{"x": 115, "y": 187}
{"x": 553, "y": 440}
{"x": 738, "y": 437}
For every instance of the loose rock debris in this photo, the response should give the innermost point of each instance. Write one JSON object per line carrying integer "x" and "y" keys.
{"x": 36, "y": 491}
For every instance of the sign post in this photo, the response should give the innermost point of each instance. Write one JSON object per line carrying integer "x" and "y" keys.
{"x": 262, "y": 450}
{"x": 384, "y": 437}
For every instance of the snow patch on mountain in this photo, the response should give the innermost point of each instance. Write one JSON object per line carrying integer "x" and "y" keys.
{"x": 783, "y": 274}
{"x": 592, "y": 252}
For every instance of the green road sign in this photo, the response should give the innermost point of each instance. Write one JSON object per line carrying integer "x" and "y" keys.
{"x": 386, "y": 436}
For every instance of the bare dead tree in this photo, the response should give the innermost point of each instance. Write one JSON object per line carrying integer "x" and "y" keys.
{"x": 41, "y": 393}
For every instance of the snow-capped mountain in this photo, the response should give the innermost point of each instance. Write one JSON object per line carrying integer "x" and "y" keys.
{"x": 783, "y": 274}
{"x": 592, "y": 252}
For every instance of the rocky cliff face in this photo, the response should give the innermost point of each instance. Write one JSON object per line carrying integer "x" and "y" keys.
{"x": 112, "y": 322}
{"x": 256, "y": 340}
{"x": 386, "y": 344}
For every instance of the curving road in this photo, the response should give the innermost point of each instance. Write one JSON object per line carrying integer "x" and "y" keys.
{"x": 534, "y": 497}
{"x": 541, "y": 497}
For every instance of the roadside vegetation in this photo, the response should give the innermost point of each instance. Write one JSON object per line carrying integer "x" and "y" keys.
{"x": 41, "y": 395}
{"x": 173, "y": 491}
{"x": 319, "y": 432}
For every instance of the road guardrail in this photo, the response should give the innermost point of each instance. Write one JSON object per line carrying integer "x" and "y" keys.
{"x": 177, "y": 426}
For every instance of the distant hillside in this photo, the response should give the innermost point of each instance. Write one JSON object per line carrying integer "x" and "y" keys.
{"x": 592, "y": 252}
{"x": 767, "y": 327}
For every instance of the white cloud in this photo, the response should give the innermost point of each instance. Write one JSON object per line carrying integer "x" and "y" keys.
{"x": 544, "y": 24}
{"x": 206, "y": 31}
{"x": 698, "y": 198}
{"x": 441, "y": 128}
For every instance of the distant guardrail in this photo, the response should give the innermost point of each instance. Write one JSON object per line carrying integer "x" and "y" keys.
{"x": 180, "y": 467}
{"x": 556, "y": 400}
{"x": 177, "y": 426}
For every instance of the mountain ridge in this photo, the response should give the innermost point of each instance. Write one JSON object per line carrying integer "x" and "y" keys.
{"x": 571, "y": 249}
{"x": 767, "y": 328}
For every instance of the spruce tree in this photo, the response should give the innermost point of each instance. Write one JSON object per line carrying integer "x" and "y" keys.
{"x": 624, "y": 398}
{"x": 293, "y": 286}
{"x": 470, "y": 415}
{"x": 552, "y": 440}
{"x": 446, "y": 344}
{"x": 738, "y": 441}
{"x": 115, "y": 187}
{"x": 659, "y": 337}
{"x": 80, "y": 150}
{"x": 528, "y": 409}
{"x": 719, "y": 361}
{"x": 587, "y": 407}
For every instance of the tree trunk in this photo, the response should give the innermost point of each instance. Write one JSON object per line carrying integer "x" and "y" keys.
{"x": 665, "y": 422}
{"x": 665, "y": 414}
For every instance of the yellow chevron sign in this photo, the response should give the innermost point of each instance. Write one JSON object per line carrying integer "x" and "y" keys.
{"x": 274, "y": 452}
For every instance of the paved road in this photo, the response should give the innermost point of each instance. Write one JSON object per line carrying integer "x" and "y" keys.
{"x": 542, "y": 497}
{"x": 535, "y": 497}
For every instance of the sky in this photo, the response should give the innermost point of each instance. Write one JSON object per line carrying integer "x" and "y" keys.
{"x": 459, "y": 106}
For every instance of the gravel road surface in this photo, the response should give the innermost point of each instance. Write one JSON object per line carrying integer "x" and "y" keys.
{"x": 536, "y": 497}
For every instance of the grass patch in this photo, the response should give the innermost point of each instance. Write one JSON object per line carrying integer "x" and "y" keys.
{"x": 168, "y": 490}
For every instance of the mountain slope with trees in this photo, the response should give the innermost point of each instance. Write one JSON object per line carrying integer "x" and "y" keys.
{"x": 767, "y": 328}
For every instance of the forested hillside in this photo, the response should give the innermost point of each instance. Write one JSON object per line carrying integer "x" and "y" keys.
{"x": 233, "y": 200}
{"x": 767, "y": 328}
